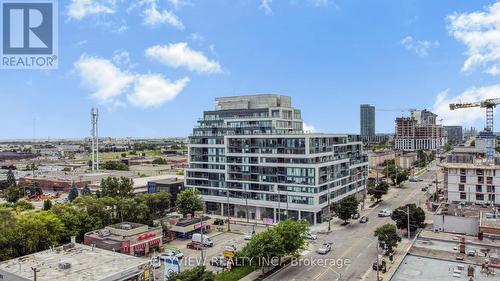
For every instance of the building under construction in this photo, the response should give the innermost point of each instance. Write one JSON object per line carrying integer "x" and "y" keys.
{"x": 419, "y": 131}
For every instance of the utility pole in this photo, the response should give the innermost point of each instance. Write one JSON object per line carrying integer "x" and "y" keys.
{"x": 378, "y": 263}
{"x": 228, "y": 218}
{"x": 329, "y": 209}
{"x": 35, "y": 271}
{"x": 408, "y": 209}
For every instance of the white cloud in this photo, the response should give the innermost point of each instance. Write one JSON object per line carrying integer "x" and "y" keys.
{"x": 121, "y": 57}
{"x": 418, "y": 47}
{"x": 153, "y": 16}
{"x": 480, "y": 32}
{"x": 266, "y": 6}
{"x": 109, "y": 84}
{"x": 308, "y": 128}
{"x": 465, "y": 117}
{"x": 196, "y": 37}
{"x": 152, "y": 90}
{"x": 178, "y": 4}
{"x": 101, "y": 76}
{"x": 79, "y": 9}
{"x": 320, "y": 3}
{"x": 181, "y": 55}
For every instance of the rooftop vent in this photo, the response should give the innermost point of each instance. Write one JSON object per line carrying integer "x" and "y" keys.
{"x": 64, "y": 265}
{"x": 126, "y": 226}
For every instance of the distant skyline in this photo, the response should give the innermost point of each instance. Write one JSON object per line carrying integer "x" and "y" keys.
{"x": 153, "y": 66}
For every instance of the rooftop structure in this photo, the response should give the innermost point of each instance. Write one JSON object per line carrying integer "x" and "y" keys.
{"x": 75, "y": 262}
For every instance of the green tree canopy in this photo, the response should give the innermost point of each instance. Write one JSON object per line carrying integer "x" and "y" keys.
{"x": 11, "y": 179}
{"x": 73, "y": 193}
{"x": 188, "y": 201}
{"x": 347, "y": 207}
{"x": 379, "y": 190}
{"x": 292, "y": 234}
{"x": 114, "y": 165}
{"x": 198, "y": 273}
{"x": 47, "y": 204}
{"x": 14, "y": 193}
{"x": 160, "y": 161}
{"x": 116, "y": 187}
{"x": 417, "y": 217}
{"x": 388, "y": 237}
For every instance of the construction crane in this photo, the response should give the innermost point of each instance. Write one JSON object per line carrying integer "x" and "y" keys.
{"x": 490, "y": 105}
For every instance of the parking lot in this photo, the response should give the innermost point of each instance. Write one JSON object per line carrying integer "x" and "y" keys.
{"x": 194, "y": 258}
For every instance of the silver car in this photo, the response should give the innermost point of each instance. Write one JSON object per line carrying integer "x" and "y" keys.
{"x": 324, "y": 248}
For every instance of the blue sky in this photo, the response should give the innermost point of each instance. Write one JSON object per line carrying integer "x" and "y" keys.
{"x": 153, "y": 66}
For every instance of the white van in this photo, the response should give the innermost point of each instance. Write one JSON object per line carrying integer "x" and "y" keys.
{"x": 206, "y": 240}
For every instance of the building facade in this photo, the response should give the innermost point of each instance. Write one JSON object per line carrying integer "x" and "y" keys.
{"x": 367, "y": 122}
{"x": 419, "y": 132}
{"x": 471, "y": 180}
{"x": 250, "y": 157}
{"x": 454, "y": 134}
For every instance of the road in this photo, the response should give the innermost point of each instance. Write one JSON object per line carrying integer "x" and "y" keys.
{"x": 354, "y": 247}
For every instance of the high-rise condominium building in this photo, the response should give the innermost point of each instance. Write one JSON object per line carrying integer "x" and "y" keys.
{"x": 454, "y": 133}
{"x": 251, "y": 158}
{"x": 367, "y": 122}
{"x": 419, "y": 131}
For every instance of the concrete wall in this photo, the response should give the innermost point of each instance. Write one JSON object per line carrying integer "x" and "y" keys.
{"x": 453, "y": 224}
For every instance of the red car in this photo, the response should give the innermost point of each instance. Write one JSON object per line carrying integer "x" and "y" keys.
{"x": 195, "y": 245}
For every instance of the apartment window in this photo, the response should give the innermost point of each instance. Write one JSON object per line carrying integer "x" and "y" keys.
{"x": 489, "y": 180}
{"x": 463, "y": 196}
{"x": 479, "y": 196}
{"x": 491, "y": 197}
{"x": 461, "y": 187}
{"x": 462, "y": 172}
{"x": 479, "y": 188}
{"x": 479, "y": 172}
{"x": 490, "y": 188}
{"x": 463, "y": 179}
{"x": 480, "y": 179}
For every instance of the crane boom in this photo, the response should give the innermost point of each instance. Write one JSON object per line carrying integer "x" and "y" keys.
{"x": 490, "y": 105}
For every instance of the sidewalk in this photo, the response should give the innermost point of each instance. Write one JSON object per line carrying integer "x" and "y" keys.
{"x": 399, "y": 255}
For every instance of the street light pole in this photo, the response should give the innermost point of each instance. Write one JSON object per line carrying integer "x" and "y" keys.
{"x": 287, "y": 203}
{"x": 408, "y": 209}
{"x": 228, "y": 218}
{"x": 329, "y": 209}
{"x": 279, "y": 205}
{"x": 35, "y": 271}
{"x": 246, "y": 203}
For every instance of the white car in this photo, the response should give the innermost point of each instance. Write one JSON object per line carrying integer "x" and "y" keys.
{"x": 248, "y": 236}
{"x": 385, "y": 213}
{"x": 324, "y": 248}
{"x": 311, "y": 236}
{"x": 169, "y": 253}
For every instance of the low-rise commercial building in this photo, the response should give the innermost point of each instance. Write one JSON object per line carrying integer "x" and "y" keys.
{"x": 406, "y": 160}
{"x": 171, "y": 185}
{"x": 128, "y": 238}
{"x": 378, "y": 158}
{"x": 76, "y": 262}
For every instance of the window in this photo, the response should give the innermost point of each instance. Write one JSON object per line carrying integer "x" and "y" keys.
{"x": 479, "y": 172}
{"x": 479, "y": 196}
{"x": 463, "y": 179}
{"x": 491, "y": 197}
{"x": 480, "y": 179}
{"x": 462, "y": 172}
{"x": 489, "y": 180}
{"x": 479, "y": 188}
{"x": 461, "y": 187}
{"x": 463, "y": 196}
{"x": 490, "y": 188}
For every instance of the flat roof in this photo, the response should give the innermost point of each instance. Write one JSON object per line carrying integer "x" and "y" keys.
{"x": 415, "y": 268}
{"x": 461, "y": 210}
{"x": 86, "y": 263}
{"x": 490, "y": 219}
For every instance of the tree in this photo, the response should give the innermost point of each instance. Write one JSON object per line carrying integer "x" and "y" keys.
{"x": 402, "y": 176}
{"x": 66, "y": 169}
{"x": 188, "y": 201}
{"x": 124, "y": 154}
{"x": 76, "y": 221}
{"x": 346, "y": 208}
{"x": 448, "y": 147}
{"x": 198, "y": 273}
{"x": 11, "y": 179}
{"x": 388, "y": 237}
{"x": 114, "y": 165}
{"x": 14, "y": 193}
{"x": 116, "y": 187}
{"x": 417, "y": 217}
{"x": 292, "y": 233}
{"x": 47, "y": 204}
{"x": 86, "y": 191}
{"x": 264, "y": 247}
{"x": 73, "y": 193}
{"x": 160, "y": 161}
{"x": 378, "y": 190}
{"x": 157, "y": 203}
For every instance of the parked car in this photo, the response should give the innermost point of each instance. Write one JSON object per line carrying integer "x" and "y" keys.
{"x": 311, "y": 236}
{"x": 385, "y": 213}
{"x": 248, "y": 236}
{"x": 219, "y": 222}
{"x": 355, "y": 216}
{"x": 194, "y": 245}
{"x": 424, "y": 188}
{"x": 413, "y": 179}
{"x": 363, "y": 219}
{"x": 380, "y": 266}
{"x": 197, "y": 237}
{"x": 155, "y": 263}
{"x": 324, "y": 248}
{"x": 218, "y": 262}
{"x": 172, "y": 252}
